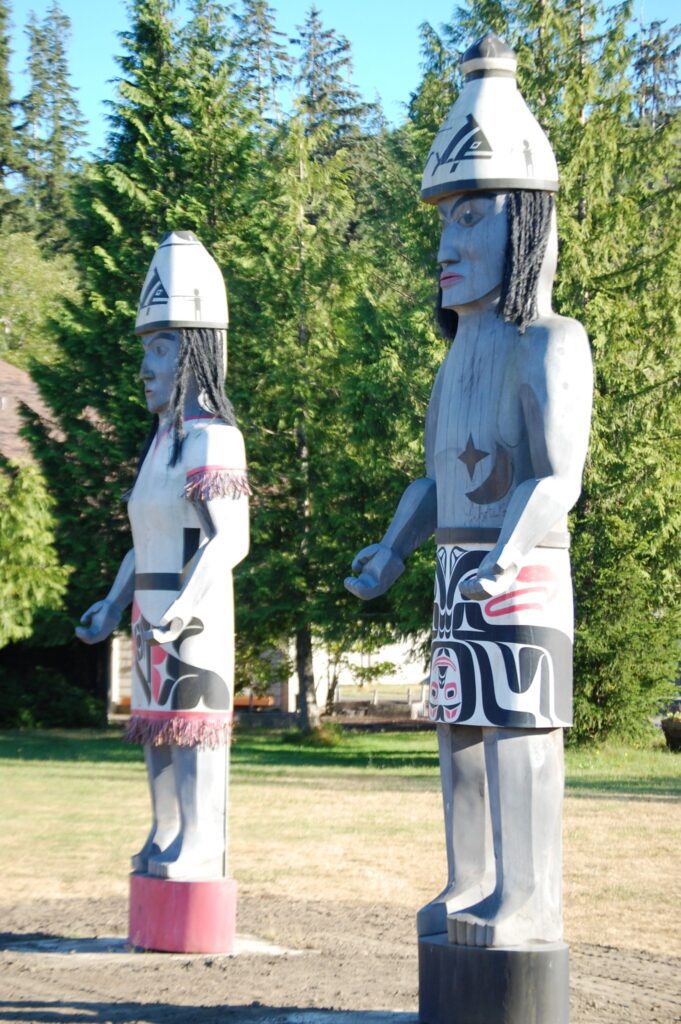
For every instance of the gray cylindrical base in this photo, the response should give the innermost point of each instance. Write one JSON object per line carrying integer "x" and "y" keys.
{"x": 477, "y": 985}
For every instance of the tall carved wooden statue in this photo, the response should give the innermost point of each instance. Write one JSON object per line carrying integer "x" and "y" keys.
{"x": 188, "y": 512}
{"x": 506, "y": 438}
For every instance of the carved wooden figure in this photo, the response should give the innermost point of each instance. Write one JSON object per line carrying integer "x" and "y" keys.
{"x": 188, "y": 512}
{"x": 506, "y": 438}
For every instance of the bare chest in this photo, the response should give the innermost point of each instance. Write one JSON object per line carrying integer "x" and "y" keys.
{"x": 480, "y": 448}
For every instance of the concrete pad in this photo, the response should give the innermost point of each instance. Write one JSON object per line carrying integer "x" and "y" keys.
{"x": 115, "y": 946}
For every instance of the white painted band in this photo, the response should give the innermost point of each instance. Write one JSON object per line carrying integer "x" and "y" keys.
{"x": 489, "y": 64}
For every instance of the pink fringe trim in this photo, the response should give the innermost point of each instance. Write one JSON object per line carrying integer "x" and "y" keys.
{"x": 217, "y": 483}
{"x": 183, "y": 732}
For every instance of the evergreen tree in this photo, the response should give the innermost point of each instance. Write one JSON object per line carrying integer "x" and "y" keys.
{"x": 32, "y": 582}
{"x": 289, "y": 335}
{"x": 33, "y": 283}
{"x": 264, "y": 63}
{"x": 8, "y": 156}
{"x": 328, "y": 102}
{"x": 51, "y": 130}
{"x": 656, "y": 72}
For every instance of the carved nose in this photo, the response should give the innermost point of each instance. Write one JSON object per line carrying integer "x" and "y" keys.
{"x": 449, "y": 250}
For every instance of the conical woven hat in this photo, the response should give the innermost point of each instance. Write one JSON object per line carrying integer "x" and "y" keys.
{"x": 490, "y": 140}
{"x": 183, "y": 287}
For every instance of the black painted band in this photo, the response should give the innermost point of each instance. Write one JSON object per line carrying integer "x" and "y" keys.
{"x": 488, "y": 73}
{"x": 157, "y": 581}
{"x": 159, "y": 325}
{"x": 452, "y": 188}
{"x": 490, "y": 535}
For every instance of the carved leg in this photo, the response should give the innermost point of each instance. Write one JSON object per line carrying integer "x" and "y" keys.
{"x": 201, "y": 786}
{"x": 525, "y": 777}
{"x": 166, "y": 813}
{"x": 467, "y": 831}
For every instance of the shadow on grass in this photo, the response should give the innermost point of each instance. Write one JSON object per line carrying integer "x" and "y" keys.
{"x": 266, "y": 750}
{"x": 58, "y": 1011}
{"x": 100, "y": 746}
{"x": 662, "y": 786}
{"x": 397, "y": 753}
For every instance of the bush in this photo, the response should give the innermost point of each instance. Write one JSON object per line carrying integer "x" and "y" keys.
{"x": 44, "y": 699}
{"x": 328, "y": 735}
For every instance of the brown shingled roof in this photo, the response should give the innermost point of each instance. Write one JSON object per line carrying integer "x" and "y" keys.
{"x": 16, "y": 386}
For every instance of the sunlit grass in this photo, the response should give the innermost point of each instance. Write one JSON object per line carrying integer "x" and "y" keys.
{"x": 357, "y": 821}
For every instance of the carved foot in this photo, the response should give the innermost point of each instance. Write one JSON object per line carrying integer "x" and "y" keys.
{"x": 505, "y": 922}
{"x": 432, "y": 919}
{"x": 157, "y": 842}
{"x": 193, "y": 860}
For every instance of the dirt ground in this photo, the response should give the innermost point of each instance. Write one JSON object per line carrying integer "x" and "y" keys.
{"x": 343, "y": 957}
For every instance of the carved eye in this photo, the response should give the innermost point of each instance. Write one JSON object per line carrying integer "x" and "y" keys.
{"x": 451, "y": 692}
{"x": 468, "y": 218}
{"x": 471, "y": 211}
{"x": 433, "y": 693}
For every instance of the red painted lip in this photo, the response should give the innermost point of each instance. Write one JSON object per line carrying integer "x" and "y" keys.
{"x": 446, "y": 279}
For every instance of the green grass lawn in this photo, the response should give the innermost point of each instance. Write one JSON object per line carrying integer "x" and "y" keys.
{"x": 358, "y": 821}
{"x": 617, "y": 768}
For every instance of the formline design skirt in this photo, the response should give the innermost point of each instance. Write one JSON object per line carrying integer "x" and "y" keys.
{"x": 505, "y": 661}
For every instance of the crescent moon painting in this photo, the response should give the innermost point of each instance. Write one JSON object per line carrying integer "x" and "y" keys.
{"x": 497, "y": 485}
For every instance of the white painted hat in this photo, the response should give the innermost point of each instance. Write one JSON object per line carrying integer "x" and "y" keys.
{"x": 183, "y": 287}
{"x": 490, "y": 139}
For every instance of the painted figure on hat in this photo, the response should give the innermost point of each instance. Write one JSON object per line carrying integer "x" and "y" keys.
{"x": 188, "y": 511}
{"x": 506, "y": 438}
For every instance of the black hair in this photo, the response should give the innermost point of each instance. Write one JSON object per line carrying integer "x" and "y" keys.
{"x": 200, "y": 357}
{"x": 529, "y": 222}
{"x": 528, "y": 215}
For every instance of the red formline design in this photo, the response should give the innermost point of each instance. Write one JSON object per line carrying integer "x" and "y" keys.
{"x": 499, "y": 605}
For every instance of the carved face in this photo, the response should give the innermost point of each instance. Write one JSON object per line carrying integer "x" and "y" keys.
{"x": 444, "y": 704}
{"x": 472, "y": 248}
{"x": 158, "y": 369}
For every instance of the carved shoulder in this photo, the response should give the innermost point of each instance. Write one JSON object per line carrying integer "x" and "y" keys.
{"x": 556, "y": 382}
{"x": 554, "y": 351}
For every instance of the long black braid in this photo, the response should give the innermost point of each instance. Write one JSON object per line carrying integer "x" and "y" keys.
{"x": 200, "y": 357}
{"x": 528, "y": 214}
{"x": 529, "y": 220}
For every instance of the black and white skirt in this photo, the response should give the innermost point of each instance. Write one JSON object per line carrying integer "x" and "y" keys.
{"x": 505, "y": 661}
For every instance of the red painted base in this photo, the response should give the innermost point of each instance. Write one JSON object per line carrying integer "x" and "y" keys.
{"x": 182, "y": 917}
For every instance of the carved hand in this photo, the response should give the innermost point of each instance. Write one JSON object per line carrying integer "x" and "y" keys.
{"x": 378, "y": 567}
{"x": 491, "y": 580}
{"x": 169, "y": 628}
{"x": 98, "y": 622}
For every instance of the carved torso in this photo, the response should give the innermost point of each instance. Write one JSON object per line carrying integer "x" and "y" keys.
{"x": 477, "y": 439}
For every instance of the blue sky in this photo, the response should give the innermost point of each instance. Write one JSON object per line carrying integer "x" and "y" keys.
{"x": 383, "y": 33}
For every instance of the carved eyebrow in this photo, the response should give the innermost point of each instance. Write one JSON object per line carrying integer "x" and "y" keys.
{"x": 468, "y": 196}
{"x": 157, "y": 336}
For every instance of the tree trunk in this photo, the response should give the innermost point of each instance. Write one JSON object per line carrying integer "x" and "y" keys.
{"x": 307, "y": 699}
{"x": 333, "y": 688}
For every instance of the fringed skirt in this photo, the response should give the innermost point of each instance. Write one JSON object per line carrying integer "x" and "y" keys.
{"x": 505, "y": 661}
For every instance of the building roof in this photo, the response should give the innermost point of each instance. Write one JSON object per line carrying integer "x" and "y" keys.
{"x": 17, "y": 387}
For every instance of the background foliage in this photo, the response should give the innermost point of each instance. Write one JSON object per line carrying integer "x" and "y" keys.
{"x": 309, "y": 201}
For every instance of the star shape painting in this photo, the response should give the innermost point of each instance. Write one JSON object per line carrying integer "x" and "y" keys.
{"x": 471, "y": 456}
